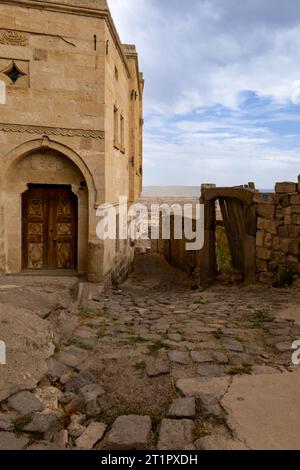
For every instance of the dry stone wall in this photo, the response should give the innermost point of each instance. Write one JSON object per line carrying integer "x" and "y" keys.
{"x": 278, "y": 235}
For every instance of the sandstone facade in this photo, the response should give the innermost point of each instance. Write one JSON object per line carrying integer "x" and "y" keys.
{"x": 70, "y": 133}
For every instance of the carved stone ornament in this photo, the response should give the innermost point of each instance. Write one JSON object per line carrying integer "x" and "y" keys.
{"x": 50, "y": 131}
{"x": 13, "y": 38}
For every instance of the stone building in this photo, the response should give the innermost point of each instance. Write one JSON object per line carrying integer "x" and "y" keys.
{"x": 70, "y": 135}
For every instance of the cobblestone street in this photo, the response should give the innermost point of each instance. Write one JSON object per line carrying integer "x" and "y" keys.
{"x": 148, "y": 365}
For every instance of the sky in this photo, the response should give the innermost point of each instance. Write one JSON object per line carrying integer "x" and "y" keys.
{"x": 222, "y": 89}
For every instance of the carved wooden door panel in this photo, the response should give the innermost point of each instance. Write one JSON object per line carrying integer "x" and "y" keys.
{"x": 62, "y": 225}
{"x": 49, "y": 228}
{"x": 34, "y": 209}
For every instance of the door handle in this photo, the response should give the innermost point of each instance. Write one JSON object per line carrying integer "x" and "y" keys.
{"x": 54, "y": 239}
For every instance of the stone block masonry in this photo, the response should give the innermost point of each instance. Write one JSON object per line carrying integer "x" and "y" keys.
{"x": 71, "y": 136}
{"x": 263, "y": 233}
{"x": 278, "y": 234}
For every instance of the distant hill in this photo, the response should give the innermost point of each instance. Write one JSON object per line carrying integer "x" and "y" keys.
{"x": 178, "y": 191}
{"x": 171, "y": 191}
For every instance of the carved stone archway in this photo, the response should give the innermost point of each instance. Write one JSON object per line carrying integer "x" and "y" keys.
{"x": 43, "y": 162}
{"x": 46, "y": 143}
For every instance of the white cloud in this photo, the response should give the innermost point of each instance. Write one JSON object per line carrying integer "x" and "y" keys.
{"x": 296, "y": 92}
{"x": 191, "y": 59}
{"x": 200, "y": 54}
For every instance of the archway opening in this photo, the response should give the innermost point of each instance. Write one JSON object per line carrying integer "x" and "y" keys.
{"x": 46, "y": 213}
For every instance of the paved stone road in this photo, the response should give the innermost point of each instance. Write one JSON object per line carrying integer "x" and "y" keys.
{"x": 150, "y": 365}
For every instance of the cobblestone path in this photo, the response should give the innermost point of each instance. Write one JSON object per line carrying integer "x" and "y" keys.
{"x": 141, "y": 365}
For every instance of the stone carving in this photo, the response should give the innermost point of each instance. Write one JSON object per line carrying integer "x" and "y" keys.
{"x": 35, "y": 208}
{"x": 46, "y": 162}
{"x": 64, "y": 208}
{"x": 52, "y": 131}
{"x": 13, "y": 38}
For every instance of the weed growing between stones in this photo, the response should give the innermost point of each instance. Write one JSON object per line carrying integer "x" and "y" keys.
{"x": 87, "y": 312}
{"x": 245, "y": 369}
{"x": 155, "y": 348}
{"x": 218, "y": 334}
{"x": 80, "y": 345}
{"x": 200, "y": 430}
{"x": 21, "y": 422}
{"x": 261, "y": 316}
{"x": 140, "y": 366}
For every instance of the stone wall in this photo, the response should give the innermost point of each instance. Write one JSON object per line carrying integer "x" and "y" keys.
{"x": 278, "y": 234}
{"x": 175, "y": 251}
{"x": 66, "y": 71}
{"x": 275, "y": 220}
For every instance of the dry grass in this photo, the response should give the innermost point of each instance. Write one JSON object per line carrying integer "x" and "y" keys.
{"x": 223, "y": 253}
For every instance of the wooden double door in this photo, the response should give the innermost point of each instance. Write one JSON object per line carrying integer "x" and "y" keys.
{"x": 49, "y": 227}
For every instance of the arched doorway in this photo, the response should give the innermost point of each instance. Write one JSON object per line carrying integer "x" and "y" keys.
{"x": 45, "y": 199}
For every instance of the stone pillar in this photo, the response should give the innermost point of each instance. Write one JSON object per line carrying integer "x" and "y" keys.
{"x": 83, "y": 227}
{"x": 95, "y": 261}
{"x": 13, "y": 226}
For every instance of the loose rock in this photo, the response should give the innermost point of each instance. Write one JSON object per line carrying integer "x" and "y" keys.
{"x": 220, "y": 357}
{"x": 80, "y": 380}
{"x": 61, "y": 438}
{"x": 49, "y": 396}
{"x": 183, "y": 408}
{"x": 158, "y": 368}
{"x": 283, "y": 347}
{"x": 232, "y": 345}
{"x": 210, "y": 370}
{"x": 200, "y": 357}
{"x": 42, "y": 423}
{"x": 6, "y": 423}
{"x": 55, "y": 369}
{"x": 25, "y": 403}
{"x": 175, "y": 434}
{"x": 179, "y": 357}
{"x": 93, "y": 434}
{"x": 76, "y": 427}
{"x": 88, "y": 398}
{"x": 8, "y": 441}
{"x": 130, "y": 433}
{"x": 210, "y": 406}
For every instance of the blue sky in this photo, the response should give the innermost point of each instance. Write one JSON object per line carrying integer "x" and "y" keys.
{"x": 222, "y": 95}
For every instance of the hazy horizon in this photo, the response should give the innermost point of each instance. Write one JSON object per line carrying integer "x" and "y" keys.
{"x": 177, "y": 191}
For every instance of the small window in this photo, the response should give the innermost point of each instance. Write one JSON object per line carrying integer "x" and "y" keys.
{"x": 116, "y": 73}
{"x": 116, "y": 127}
{"x": 122, "y": 141}
{"x": 14, "y": 73}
